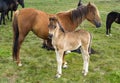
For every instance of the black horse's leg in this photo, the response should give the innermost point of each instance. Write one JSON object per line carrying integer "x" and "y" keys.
{"x": 3, "y": 17}
{"x": 11, "y": 15}
{"x": 108, "y": 26}
{"x": 7, "y": 13}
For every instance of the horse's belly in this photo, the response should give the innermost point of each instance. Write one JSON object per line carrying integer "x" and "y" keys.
{"x": 41, "y": 33}
{"x": 71, "y": 45}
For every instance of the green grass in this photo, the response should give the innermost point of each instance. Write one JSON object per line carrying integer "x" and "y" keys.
{"x": 39, "y": 65}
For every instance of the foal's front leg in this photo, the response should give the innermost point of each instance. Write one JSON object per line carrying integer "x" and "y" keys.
{"x": 85, "y": 56}
{"x": 59, "y": 57}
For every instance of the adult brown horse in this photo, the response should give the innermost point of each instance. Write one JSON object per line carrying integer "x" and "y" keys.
{"x": 29, "y": 19}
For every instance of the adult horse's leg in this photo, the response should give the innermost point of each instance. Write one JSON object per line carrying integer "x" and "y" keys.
{"x": 44, "y": 45}
{"x": 18, "y": 37}
{"x": 109, "y": 22}
{"x": 48, "y": 44}
{"x": 7, "y": 13}
{"x": 11, "y": 15}
{"x": 2, "y": 18}
{"x": 108, "y": 27}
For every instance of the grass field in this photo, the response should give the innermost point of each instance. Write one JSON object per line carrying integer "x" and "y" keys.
{"x": 39, "y": 65}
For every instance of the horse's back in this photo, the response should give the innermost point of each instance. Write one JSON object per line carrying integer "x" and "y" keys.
{"x": 30, "y": 19}
{"x": 83, "y": 34}
{"x": 112, "y": 14}
{"x": 3, "y": 6}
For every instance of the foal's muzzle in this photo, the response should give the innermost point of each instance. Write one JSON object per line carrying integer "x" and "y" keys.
{"x": 50, "y": 36}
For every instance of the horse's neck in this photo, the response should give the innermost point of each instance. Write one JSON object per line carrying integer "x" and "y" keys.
{"x": 79, "y": 15}
{"x": 68, "y": 23}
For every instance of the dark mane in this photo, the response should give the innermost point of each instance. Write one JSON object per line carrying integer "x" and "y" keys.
{"x": 79, "y": 12}
{"x": 61, "y": 28}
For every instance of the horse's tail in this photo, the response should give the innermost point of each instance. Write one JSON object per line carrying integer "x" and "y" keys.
{"x": 16, "y": 35}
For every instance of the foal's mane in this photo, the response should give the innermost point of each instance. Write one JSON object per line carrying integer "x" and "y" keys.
{"x": 60, "y": 26}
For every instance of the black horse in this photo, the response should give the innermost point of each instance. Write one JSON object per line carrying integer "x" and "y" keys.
{"x": 5, "y": 7}
{"x": 112, "y": 17}
{"x": 21, "y": 2}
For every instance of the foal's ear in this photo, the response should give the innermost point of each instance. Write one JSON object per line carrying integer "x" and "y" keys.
{"x": 89, "y": 4}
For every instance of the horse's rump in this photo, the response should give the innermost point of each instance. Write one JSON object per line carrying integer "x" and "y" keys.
{"x": 30, "y": 19}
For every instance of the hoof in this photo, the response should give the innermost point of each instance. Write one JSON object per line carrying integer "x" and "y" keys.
{"x": 65, "y": 65}
{"x": 19, "y": 64}
{"x": 58, "y": 76}
{"x": 84, "y": 72}
{"x": 67, "y": 52}
{"x": 109, "y": 35}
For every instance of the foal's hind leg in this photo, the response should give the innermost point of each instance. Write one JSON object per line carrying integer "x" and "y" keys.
{"x": 64, "y": 62}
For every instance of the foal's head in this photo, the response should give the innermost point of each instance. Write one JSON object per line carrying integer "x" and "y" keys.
{"x": 93, "y": 15}
{"x": 52, "y": 26}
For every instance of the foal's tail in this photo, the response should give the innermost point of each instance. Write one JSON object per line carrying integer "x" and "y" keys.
{"x": 15, "y": 35}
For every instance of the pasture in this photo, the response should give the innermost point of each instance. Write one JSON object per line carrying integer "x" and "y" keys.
{"x": 39, "y": 65}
